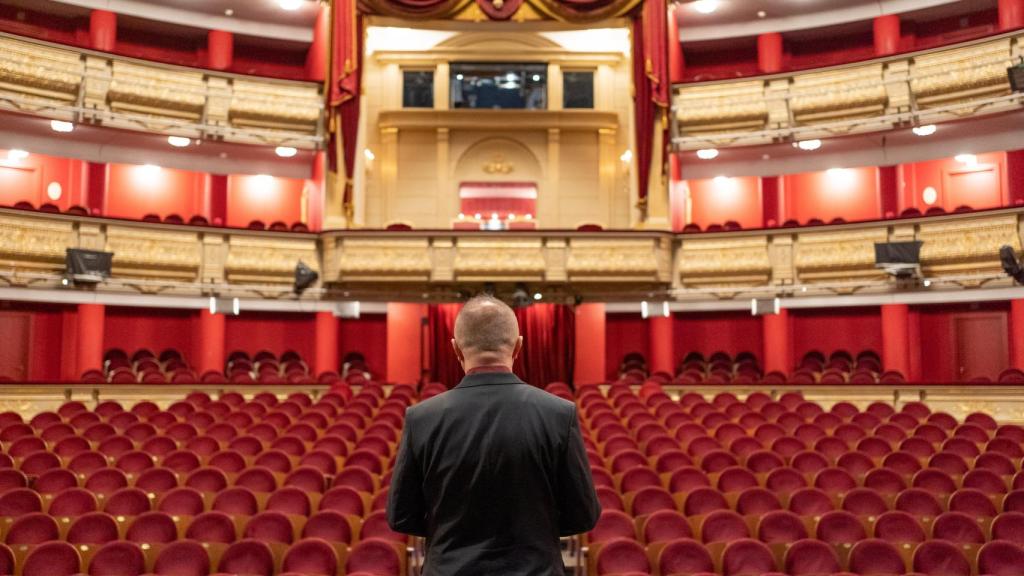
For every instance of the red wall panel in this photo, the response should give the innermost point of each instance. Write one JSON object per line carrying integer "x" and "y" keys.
{"x": 157, "y": 329}
{"x": 848, "y": 193}
{"x": 40, "y": 359}
{"x": 264, "y": 198}
{"x": 29, "y": 179}
{"x": 828, "y": 330}
{"x": 718, "y": 200}
{"x": 984, "y": 185}
{"x": 273, "y": 331}
{"x": 136, "y": 190}
{"x": 730, "y": 332}
{"x": 367, "y": 335}
{"x": 624, "y": 333}
{"x": 940, "y": 343}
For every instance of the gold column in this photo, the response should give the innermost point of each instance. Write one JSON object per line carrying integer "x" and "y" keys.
{"x": 548, "y": 199}
{"x": 442, "y": 85}
{"x": 387, "y": 166}
{"x": 555, "y": 96}
{"x": 447, "y": 197}
{"x": 607, "y": 166}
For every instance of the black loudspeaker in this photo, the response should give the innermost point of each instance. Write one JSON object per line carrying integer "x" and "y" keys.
{"x": 765, "y": 306}
{"x": 1011, "y": 265}
{"x": 901, "y": 259}
{"x": 304, "y": 277}
{"x": 88, "y": 266}
{"x": 1016, "y": 75}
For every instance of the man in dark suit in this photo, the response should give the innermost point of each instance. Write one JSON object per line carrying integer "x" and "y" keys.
{"x": 494, "y": 471}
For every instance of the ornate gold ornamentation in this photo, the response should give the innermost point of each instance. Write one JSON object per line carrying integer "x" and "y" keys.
{"x": 154, "y": 91}
{"x": 722, "y": 107}
{"x": 37, "y": 70}
{"x": 962, "y": 74}
{"x": 966, "y": 245}
{"x": 499, "y": 258}
{"x": 843, "y": 254}
{"x": 613, "y": 259}
{"x": 273, "y": 260}
{"x": 274, "y": 105}
{"x": 498, "y": 165}
{"x": 724, "y": 261}
{"x": 34, "y": 243}
{"x": 838, "y": 94}
{"x": 154, "y": 253}
{"x": 363, "y": 258}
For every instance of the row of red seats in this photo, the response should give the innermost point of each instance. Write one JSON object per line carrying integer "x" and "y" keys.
{"x": 176, "y": 219}
{"x": 732, "y": 225}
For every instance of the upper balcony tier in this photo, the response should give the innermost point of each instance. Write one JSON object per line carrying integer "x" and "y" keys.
{"x": 960, "y": 254}
{"x": 91, "y": 87}
{"x": 964, "y": 81}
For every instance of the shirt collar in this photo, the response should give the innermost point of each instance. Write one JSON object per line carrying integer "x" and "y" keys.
{"x": 490, "y": 368}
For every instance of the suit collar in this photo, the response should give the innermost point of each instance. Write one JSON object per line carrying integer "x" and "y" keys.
{"x": 489, "y": 379}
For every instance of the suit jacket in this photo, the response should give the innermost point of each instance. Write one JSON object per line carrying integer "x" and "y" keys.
{"x": 492, "y": 473}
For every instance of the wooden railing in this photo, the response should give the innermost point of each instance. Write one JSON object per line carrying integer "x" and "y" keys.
{"x": 967, "y": 80}
{"x": 98, "y": 88}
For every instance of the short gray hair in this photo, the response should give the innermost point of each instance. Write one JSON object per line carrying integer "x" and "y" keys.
{"x": 486, "y": 324}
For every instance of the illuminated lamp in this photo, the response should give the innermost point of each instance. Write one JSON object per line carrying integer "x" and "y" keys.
{"x": 929, "y": 195}
{"x": 61, "y": 126}
{"x": 528, "y": 217}
{"x": 290, "y": 4}
{"x": 150, "y": 170}
{"x": 285, "y": 151}
{"x": 538, "y": 296}
{"x": 627, "y": 156}
{"x": 707, "y": 154}
{"x": 179, "y": 141}
{"x": 54, "y": 191}
{"x": 926, "y": 130}
{"x": 808, "y": 145}
{"x": 968, "y": 159}
{"x": 705, "y": 6}
{"x": 16, "y": 155}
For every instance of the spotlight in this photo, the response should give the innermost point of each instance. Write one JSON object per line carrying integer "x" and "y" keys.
{"x": 1011, "y": 265}
{"x": 16, "y": 155}
{"x": 304, "y": 277}
{"x": 705, "y": 6}
{"x": 179, "y": 141}
{"x": 926, "y": 130}
{"x": 285, "y": 151}
{"x": 707, "y": 154}
{"x": 61, "y": 126}
{"x": 290, "y": 4}
{"x": 808, "y": 145}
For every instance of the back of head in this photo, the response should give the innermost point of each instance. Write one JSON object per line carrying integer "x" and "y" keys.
{"x": 486, "y": 327}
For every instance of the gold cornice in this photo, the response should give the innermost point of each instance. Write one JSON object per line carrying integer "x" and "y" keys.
{"x": 498, "y": 120}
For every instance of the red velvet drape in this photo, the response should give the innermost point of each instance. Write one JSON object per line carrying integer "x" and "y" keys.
{"x": 346, "y": 81}
{"x": 650, "y": 83}
{"x": 549, "y": 343}
{"x": 444, "y": 366}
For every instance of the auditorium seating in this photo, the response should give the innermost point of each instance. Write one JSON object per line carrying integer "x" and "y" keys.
{"x": 760, "y": 486}
{"x": 261, "y": 487}
{"x": 264, "y": 367}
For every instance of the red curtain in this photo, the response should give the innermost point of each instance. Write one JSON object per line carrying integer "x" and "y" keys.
{"x": 346, "y": 81}
{"x": 444, "y": 366}
{"x": 650, "y": 83}
{"x": 549, "y": 343}
{"x": 564, "y": 10}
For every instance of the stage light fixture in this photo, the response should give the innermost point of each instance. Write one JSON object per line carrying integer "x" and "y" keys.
{"x": 809, "y": 145}
{"x": 304, "y": 277}
{"x": 179, "y": 141}
{"x": 285, "y": 151}
{"x": 925, "y": 130}
{"x": 707, "y": 153}
{"x": 61, "y": 126}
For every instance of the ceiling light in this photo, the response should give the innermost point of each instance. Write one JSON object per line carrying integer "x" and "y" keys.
{"x": 705, "y": 6}
{"x": 150, "y": 169}
{"x": 528, "y": 216}
{"x": 926, "y": 130}
{"x": 229, "y": 12}
{"x": 927, "y": 283}
{"x": 179, "y": 141}
{"x": 721, "y": 180}
{"x": 761, "y": 13}
{"x": 285, "y": 151}
{"x": 458, "y": 76}
{"x": 15, "y": 155}
{"x": 538, "y": 296}
{"x": 477, "y": 216}
{"x": 809, "y": 145}
{"x": 536, "y": 77}
{"x": 969, "y": 159}
{"x": 61, "y": 126}
{"x": 707, "y": 154}
{"x": 290, "y": 4}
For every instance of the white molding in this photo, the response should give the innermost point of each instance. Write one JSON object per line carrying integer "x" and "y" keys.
{"x": 151, "y": 11}
{"x": 821, "y": 19}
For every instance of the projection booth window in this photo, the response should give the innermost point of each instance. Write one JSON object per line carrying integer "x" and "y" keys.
{"x": 417, "y": 88}
{"x": 578, "y": 89}
{"x": 499, "y": 85}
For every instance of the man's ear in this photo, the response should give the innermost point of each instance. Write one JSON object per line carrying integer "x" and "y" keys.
{"x": 458, "y": 351}
{"x": 518, "y": 348}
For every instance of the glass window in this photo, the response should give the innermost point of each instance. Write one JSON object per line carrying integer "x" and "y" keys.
{"x": 578, "y": 89}
{"x": 499, "y": 85}
{"x": 417, "y": 88}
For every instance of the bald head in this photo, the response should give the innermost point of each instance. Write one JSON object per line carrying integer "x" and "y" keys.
{"x": 486, "y": 332}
